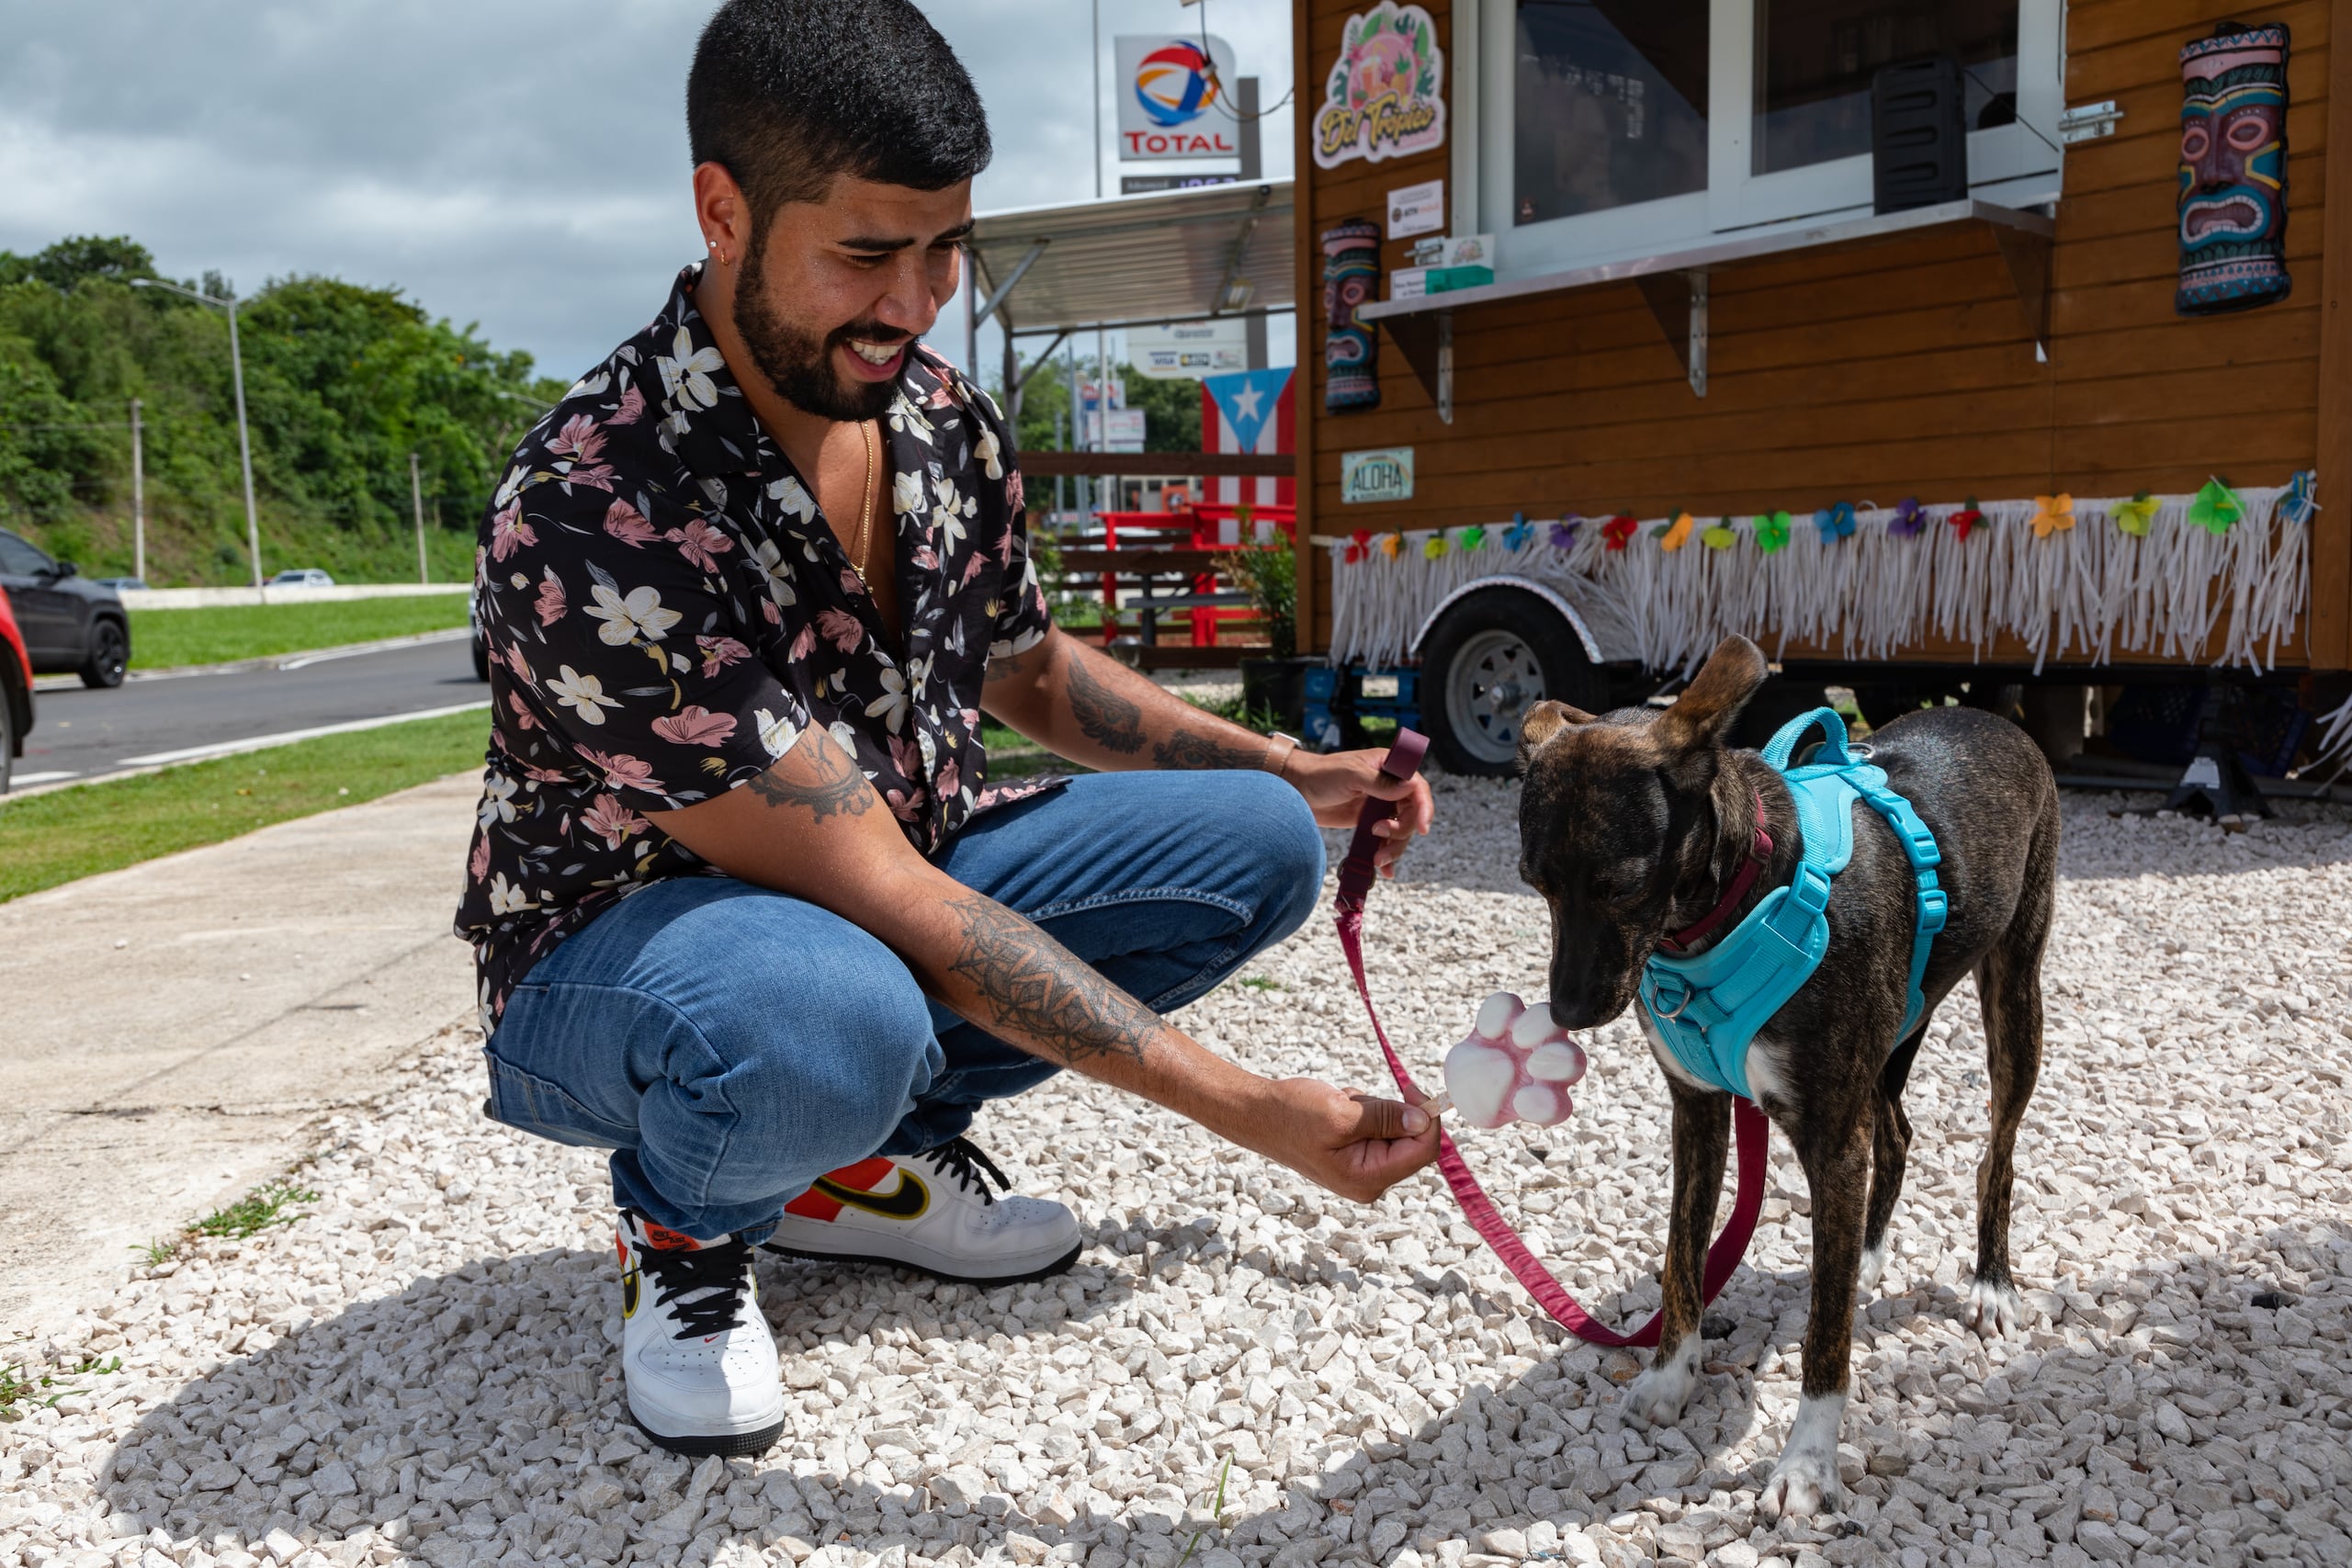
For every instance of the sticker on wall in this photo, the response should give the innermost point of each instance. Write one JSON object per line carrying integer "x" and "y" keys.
{"x": 2233, "y": 170}
{"x": 1383, "y": 475}
{"x": 1386, "y": 96}
{"x": 1416, "y": 209}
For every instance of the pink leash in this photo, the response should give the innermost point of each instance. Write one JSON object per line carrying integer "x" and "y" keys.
{"x": 1356, "y": 874}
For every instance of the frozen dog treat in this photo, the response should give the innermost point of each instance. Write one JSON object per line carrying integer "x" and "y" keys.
{"x": 1515, "y": 1066}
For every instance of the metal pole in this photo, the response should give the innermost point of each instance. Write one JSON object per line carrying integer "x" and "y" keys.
{"x": 971, "y": 318}
{"x": 244, "y": 443}
{"x": 1245, "y": 104}
{"x": 138, "y": 499}
{"x": 1098, "y": 100}
{"x": 1077, "y": 433}
{"x": 1110, "y": 491}
{"x": 416, "y": 497}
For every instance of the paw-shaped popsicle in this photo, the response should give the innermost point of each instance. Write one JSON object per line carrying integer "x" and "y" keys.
{"x": 1516, "y": 1065}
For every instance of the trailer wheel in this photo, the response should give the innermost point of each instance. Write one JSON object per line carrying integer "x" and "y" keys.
{"x": 1491, "y": 657}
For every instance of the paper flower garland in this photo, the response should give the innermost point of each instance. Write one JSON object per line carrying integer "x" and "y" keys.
{"x": 1617, "y": 530}
{"x": 1718, "y": 536}
{"x": 2052, "y": 513}
{"x": 1564, "y": 532}
{"x": 1473, "y": 536}
{"x": 1359, "y": 546}
{"x": 1772, "y": 531}
{"x": 1518, "y": 534}
{"x": 1965, "y": 520}
{"x": 2215, "y": 508}
{"x": 1836, "y": 522}
{"x": 2134, "y": 515}
{"x": 1434, "y": 545}
{"x": 1910, "y": 519}
{"x": 1678, "y": 533}
{"x": 1390, "y": 544}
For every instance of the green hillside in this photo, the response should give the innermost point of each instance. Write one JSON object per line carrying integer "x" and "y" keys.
{"x": 342, "y": 383}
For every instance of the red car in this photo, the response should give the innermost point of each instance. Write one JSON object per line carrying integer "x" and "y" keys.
{"x": 15, "y": 692}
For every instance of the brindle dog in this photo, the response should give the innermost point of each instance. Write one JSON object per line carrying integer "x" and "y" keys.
{"x": 1633, "y": 823}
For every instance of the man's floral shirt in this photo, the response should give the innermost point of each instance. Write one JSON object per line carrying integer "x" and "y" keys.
{"x": 667, "y": 614}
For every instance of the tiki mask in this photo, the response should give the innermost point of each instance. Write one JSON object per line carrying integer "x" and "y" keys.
{"x": 1350, "y": 269}
{"x": 2233, "y": 170}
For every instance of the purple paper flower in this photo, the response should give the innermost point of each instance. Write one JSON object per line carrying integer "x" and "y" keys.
{"x": 1910, "y": 519}
{"x": 1564, "y": 532}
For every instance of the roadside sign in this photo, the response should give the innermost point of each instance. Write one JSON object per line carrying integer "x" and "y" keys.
{"x": 1171, "y": 97}
{"x": 1127, "y": 431}
{"x": 1385, "y": 474}
{"x": 1144, "y": 185}
{"x": 1189, "y": 350}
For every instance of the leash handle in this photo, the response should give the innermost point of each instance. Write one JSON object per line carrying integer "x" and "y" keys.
{"x": 1754, "y": 1133}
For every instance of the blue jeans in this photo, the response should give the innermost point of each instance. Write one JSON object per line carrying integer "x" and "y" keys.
{"x": 731, "y": 1044}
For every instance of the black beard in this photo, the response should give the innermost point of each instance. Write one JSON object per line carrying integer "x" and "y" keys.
{"x": 800, "y": 364}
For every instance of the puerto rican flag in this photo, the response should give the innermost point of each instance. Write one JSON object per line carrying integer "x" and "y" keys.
{"x": 1248, "y": 411}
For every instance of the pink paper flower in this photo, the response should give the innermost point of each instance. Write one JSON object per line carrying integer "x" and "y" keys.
{"x": 840, "y": 628}
{"x": 695, "y": 726}
{"x": 628, "y": 524}
{"x": 718, "y": 652}
{"x": 614, "y": 822}
{"x": 578, "y": 439}
{"x": 509, "y": 533}
{"x": 622, "y": 771}
{"x": 699, "y": 543}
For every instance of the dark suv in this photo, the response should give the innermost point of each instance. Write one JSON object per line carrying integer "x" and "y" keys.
{"x": 69, "y": 623}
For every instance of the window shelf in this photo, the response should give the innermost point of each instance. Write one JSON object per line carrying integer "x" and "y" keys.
{"x": 1674, "y": 283}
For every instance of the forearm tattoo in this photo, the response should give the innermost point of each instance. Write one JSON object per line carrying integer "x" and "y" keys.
{"x": 1103, "y": 717}
{"x": 1039, "y": 995}
{"x": 835, "y": 787}
{"x": 1186, "y": 749}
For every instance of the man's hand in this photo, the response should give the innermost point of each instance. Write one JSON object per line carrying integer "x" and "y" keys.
{"x": 1345, "y": 1141}
{"x": 1337, "y": 785}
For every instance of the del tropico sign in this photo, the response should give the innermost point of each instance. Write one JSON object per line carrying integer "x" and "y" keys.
{"x": 1386, "y": 96}
{"x": 1172, "y": 97}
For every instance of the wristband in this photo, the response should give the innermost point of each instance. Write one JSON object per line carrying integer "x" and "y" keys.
{"x": 1278, "y": 749}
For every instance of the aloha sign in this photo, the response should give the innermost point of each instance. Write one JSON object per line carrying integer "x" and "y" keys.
{"x": 1385, "y": 97}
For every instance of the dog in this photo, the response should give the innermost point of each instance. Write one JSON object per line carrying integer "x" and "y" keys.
{"x": 1633, "y": 824}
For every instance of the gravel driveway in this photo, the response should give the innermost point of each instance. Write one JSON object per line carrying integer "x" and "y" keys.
{"x": 424, "y": 1368}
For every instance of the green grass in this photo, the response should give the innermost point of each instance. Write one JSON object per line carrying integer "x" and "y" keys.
{"x": 265, "y": 1206}
{"x": 65, "y": 834}
{"x": 160, "y": 639}
{"x": 21, "y": 1392}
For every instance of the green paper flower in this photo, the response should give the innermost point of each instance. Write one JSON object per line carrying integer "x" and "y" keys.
{"x": 1772, "y": 533}
{"x": 1718, "y": 536}
{"x": 1473, "y": 536}
{"x": 2215, "y": 508}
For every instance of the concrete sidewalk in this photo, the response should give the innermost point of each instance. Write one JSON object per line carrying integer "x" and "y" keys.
{"x": 173, "y": 1030}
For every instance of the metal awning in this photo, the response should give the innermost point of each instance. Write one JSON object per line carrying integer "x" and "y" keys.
{"x": 1134, "y": 259}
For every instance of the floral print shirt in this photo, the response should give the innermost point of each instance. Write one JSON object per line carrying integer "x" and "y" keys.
{"x": 667, "y": 614}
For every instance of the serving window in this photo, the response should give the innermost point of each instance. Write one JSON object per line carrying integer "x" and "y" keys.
{"x": 1609, "y": 128}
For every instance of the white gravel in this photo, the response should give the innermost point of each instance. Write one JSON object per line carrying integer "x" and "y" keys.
{"x": 423, "y": 1370}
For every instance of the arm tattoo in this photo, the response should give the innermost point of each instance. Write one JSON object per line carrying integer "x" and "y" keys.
{"x": 1103, "y": 717}
{"x": 1186, "y": 749}
{"x": 1042, "y": 996}
{"x": 835, "y": 789}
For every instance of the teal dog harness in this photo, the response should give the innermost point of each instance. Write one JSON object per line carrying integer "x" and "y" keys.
{"x": 1707, "y": 1007}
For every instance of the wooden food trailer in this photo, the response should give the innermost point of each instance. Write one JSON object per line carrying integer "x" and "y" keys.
{"x": 1934, "y": 343}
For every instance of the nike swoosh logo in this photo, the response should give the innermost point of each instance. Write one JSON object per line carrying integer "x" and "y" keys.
{"x": 905, "y": 1201}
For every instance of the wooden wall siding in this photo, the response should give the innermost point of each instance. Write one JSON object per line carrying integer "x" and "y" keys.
{"x": 2331, "y": 619}
{"x": 1875, "y": 370}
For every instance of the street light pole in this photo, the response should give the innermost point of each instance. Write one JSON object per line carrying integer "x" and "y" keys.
{"x": 1098, "y": 100}
{"x": 417, "y": 495}
{"x": 138, "y": 499}
{"x": 245, "y": 434}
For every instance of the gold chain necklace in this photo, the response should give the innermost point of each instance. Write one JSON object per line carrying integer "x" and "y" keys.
{"x": 865, "y": 506}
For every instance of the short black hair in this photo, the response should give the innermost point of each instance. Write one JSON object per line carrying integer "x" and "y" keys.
{"x": 788, "y": 94}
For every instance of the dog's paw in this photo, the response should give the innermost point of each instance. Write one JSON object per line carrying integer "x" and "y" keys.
{"x": 1805, "y": 1481}
{"x": 1993, "y": 1310}
{"x": 1874, "y": 1265}
{"x": 1658, "y": 1397}
{"x": 1800, "y": 1487}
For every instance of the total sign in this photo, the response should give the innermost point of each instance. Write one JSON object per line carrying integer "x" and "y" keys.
{"x": 1173, "y": 101}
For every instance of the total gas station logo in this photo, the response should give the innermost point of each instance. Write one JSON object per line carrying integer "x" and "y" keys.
{"x": 1172, "y": 86}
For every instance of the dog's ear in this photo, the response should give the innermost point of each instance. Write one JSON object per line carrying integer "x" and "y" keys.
{"x": 1703, "y": 717}
{"x": 1543, "y": 721}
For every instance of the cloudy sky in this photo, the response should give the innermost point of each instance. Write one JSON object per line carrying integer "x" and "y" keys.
{"x": 518, "y": 163}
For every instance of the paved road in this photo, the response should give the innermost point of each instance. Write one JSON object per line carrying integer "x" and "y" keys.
{"x": 79, "y": 733}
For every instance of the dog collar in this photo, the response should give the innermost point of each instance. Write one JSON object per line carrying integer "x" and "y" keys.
{"x": 1760, "y": 855}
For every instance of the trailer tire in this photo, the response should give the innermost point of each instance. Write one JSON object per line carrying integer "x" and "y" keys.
{"x": 1487, "y": 661}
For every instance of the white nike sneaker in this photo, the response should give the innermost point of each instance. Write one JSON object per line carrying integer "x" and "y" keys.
{"x": 696, "y": 1355}
{"x": 931, "y": 1212}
